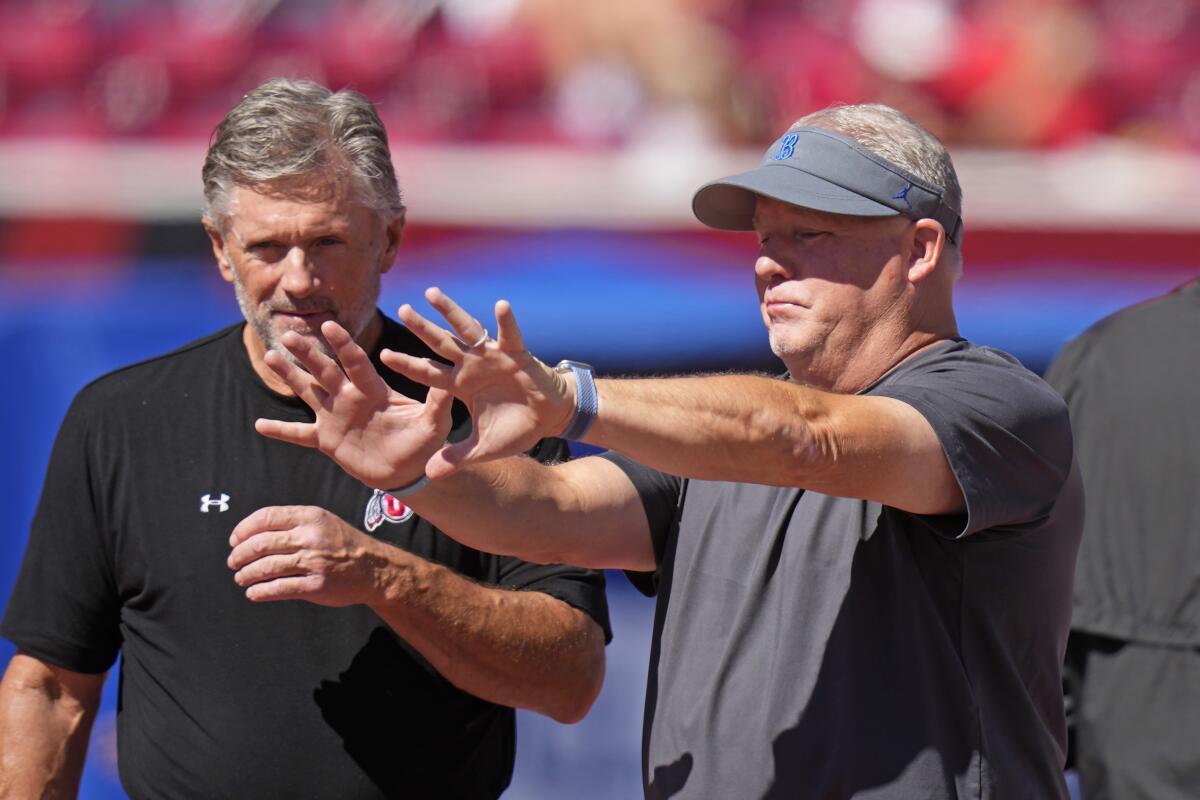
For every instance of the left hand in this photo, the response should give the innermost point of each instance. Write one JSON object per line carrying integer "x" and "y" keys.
{"x": 303, "y": 553}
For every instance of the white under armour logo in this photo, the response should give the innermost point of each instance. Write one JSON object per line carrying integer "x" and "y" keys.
{"x": 222, "y": 503}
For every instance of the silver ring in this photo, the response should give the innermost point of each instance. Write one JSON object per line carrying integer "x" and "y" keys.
{"x": 483, "y": 337}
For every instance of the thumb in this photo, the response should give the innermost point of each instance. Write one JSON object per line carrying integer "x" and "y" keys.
{"x": 452, "y": 457}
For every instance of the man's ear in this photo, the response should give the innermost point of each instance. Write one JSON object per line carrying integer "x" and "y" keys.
{"x": 925, "y": 249}
{"x": 394, "y": 231}
{"x": 218, "y": 245}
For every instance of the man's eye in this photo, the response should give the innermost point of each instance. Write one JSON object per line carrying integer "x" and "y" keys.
{"x": 328, "y": 241}
{"x": 804, "y": 236}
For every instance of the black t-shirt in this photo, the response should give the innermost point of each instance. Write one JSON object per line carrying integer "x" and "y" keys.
{"x": 221, "y": 697}
{"x": 811, "y": 646}
{"x": 1132, "y": 382}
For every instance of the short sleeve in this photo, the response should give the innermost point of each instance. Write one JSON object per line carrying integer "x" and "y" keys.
{"x": 65, "y": 608}
{"x": 1005, "y": 432}
{"x": 660, "y": 493}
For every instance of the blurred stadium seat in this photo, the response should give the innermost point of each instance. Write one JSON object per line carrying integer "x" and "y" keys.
{"x": 548, "y": 150}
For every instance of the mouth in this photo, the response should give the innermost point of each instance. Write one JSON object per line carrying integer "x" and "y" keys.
{"x": 775, "y": 305}
{"x": 312, "y": 318}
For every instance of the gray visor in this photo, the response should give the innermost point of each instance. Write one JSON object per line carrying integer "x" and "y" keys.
{"x": 825, "y": 171}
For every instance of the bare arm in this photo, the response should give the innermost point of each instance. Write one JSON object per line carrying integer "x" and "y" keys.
{"x": 524, "y": 649}
{"x": 585, "y": 512}
{"x": 756, "y": 429}
{"x": 46, "y": 714}
{"x": 743, "y": 428}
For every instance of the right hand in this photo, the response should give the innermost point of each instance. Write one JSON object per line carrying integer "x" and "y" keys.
{"x": 304, "y": 553}
{"x": 374, "y": 433}
{"x": 514, "y": 399}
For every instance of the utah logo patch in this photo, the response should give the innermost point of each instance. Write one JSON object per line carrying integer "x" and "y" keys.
{"x": 383, "y": 507}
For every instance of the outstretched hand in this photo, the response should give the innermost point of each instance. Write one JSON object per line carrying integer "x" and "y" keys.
{"x": 514, "y": 398}
{"x": 374, "y": 433}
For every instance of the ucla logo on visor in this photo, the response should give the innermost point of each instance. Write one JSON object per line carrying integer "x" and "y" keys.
{"x": 788, "y": 146}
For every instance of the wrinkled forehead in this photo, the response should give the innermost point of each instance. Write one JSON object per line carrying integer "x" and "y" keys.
{"x": 257, "y": 212}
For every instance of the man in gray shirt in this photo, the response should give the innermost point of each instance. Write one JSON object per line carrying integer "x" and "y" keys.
{"x": 863, "y": 568}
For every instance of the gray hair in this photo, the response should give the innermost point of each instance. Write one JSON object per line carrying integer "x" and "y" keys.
{"x": 286, "y": 130}
{"x": 889, "y": 133}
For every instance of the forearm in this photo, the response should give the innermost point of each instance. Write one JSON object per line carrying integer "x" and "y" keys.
{"x": 746, "y": 428}
{"x": 523, "y": 649}
{"x": 584, "y": 512}
{"x": 43, "y": 732}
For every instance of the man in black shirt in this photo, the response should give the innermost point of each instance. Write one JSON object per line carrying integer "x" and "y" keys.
{"x": 863, "y": 569}
{"x": 1132, "y": 385}
{"x": 399, "y": 675}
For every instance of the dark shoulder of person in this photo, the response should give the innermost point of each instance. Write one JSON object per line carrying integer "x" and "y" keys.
{"x": 1145, "y": 338}
{"x": 141, "y": 375}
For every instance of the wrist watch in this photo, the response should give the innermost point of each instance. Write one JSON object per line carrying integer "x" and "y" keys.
{"x": 587, "y": 401}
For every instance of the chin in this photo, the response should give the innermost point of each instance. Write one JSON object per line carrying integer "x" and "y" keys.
{"x": 795, "y": 352}
{"x": 271, "y": 336}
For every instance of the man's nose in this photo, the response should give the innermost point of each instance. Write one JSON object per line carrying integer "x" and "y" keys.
{"x": 767, "y": 269}
{"x": 299, "y": 273}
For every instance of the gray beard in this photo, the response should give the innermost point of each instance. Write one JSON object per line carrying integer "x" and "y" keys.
{"x": 355, "y": 321}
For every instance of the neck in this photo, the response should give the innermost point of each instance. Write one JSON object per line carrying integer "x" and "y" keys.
{"x": 868, "y": 365}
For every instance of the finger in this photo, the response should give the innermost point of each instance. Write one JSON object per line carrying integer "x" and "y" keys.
{"x": 437, "y": 405}
{"x": 270, "y": 518}
{"x": 354, "y": 359}
{"x": 327, "y": 372}
{"x": 466, "y": 327}
{"x": 304, "y": 385}
{"x": 508, "y": 333}
{"x": 299, "y": 587}
{"x": 269, "y": 568}
{"x": 265, "y": 543}
{"x": 437, "y": 337}
{"x": 301, "y": 433}
{"x": 422, "y": 370}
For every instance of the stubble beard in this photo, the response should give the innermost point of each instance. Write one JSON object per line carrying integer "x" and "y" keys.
{"x": 797, "y": 355}
{"x": 354, "y": 319}
{"x": 785, "y": 349}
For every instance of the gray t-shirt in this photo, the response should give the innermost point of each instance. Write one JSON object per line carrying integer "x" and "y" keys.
{"x": 1132, "y": 383}
{"x": 809, "y": 646}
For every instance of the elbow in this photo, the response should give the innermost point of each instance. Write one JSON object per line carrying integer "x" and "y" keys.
{"x": 583, "y": 683}
{"x": 809, "y": 457}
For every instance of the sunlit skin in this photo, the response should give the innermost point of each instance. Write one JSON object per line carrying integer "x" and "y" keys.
{"x": 842, "y": 296}
{"x": 298, "y": 258}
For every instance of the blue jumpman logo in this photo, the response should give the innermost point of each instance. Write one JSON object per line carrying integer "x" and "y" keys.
{"x": 903, "y": 195}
